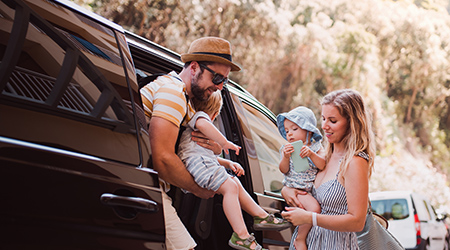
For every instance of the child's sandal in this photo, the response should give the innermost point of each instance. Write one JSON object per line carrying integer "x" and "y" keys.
{"x": 246, "y": 243}
{"x": 268, "y": 223}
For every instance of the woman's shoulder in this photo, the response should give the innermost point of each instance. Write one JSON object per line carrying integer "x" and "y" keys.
{"x": 360, "y": 159}
{"x": 363, "y": 155}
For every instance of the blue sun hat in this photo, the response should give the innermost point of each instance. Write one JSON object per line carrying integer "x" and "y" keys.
{"x": 304, "y": 118}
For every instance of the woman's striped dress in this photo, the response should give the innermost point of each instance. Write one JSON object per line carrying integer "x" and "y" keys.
{"x": 333, "y": 201}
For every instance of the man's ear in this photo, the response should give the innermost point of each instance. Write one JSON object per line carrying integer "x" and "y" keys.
{"x": 194, "y": 66}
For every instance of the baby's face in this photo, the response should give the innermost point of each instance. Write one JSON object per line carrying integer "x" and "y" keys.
{"x": 294, "y": 132}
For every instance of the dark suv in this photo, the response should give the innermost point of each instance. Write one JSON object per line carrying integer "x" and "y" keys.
{"x": 75, "y": 160}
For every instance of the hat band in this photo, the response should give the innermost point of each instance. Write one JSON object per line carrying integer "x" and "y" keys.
{"x": 225, "y": 56}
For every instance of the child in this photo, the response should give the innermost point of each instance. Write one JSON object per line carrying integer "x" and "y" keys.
{"x": 300, "y": 124}
{"x": 208, "y": 173}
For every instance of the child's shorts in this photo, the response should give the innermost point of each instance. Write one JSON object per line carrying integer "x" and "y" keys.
{"x": 207, "y": 172}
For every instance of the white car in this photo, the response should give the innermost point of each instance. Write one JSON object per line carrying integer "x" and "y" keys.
{"x": 412, "y": 219}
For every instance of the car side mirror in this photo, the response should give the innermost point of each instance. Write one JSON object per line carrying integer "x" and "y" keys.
{"x": 441, "y": 217}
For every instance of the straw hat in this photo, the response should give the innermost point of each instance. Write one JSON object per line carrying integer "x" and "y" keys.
{"x": 210, "y": 49}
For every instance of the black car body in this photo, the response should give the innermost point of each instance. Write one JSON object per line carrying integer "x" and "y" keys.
{"x": 75, "y": 160}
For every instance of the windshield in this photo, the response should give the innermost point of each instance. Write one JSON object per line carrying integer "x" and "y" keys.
{"x": 392, "y": 209}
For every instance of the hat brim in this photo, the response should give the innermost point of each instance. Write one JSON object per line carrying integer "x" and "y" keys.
{"x": 209, "y": 58}
{"x": 280, "y": 123}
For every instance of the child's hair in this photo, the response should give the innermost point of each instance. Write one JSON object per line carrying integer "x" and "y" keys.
{"x": 210, "y": 106}
{"x": 359, "y": 137}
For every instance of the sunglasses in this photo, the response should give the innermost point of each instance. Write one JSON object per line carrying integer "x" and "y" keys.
{"x": 217, "y": 78}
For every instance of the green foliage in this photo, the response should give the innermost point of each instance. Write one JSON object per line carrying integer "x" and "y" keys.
{"x": 396, "y": 53}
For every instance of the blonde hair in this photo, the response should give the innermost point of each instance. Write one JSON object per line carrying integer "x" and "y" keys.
{"x": 210, "y": 106}
{"x": 360, "y": 137}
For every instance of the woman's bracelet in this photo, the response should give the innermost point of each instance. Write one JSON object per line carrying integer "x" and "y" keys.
{"x": 314, "y": 219}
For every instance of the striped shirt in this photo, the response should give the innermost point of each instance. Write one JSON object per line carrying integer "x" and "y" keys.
{"x": 165, "y": 97}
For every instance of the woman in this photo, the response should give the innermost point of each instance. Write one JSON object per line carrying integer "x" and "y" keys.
{"x": 342, "y": 187}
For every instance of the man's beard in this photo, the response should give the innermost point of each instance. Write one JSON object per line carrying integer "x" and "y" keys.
{"x": 198, "y": 92}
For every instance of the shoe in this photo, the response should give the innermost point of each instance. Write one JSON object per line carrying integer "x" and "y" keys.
{"x": 268, "y": 223}
{"x": 246, "y": 243}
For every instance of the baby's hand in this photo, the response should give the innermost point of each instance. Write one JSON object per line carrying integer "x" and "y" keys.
{"x": 288, "y": 150}
{"x": 305, "y": 151}
{"x": 237, "y": 168}
{"x": 229, "y": 145}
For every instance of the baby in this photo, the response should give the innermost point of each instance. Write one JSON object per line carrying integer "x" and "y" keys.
{"x": 300, "y": 124}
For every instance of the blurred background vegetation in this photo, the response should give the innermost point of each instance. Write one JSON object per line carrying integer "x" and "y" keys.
{"x": 395, "y": 53}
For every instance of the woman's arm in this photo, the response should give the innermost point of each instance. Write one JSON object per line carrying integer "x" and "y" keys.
{"x": 357, "y": 191}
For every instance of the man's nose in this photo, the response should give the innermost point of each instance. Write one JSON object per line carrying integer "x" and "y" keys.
{"x": 220, "y": 86}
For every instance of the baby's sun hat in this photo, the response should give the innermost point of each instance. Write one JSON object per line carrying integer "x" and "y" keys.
{"x": 304, "y": 118}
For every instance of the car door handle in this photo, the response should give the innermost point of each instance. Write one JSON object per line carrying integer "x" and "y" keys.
{"x": 141, "y": 204}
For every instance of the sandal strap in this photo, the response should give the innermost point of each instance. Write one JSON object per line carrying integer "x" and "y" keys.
{"x": 270, "y": 218}
{"x": 249, "y": 240}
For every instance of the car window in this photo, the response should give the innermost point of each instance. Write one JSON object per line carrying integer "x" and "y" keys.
{"x": 421, "y": 207}
{"x": 67, "y": 81}
{"x": 267, "y": 141}
{"x": 391, "y": 209}
{"x": 427, "y": 209}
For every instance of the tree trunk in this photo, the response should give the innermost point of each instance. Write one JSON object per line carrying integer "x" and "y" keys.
{"x": 411, "y": 102}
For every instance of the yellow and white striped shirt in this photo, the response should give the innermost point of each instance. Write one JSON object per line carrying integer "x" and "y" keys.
{"x": 165, "y": 97}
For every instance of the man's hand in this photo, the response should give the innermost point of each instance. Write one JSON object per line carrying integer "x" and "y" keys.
{"x": 206, "y": 143}
{"x": 203, "y": 193}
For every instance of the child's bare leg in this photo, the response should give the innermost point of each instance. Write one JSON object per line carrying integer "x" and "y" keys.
{"x": 310, "y": 204}
{"x": 247, "y": 203}
{"x": 300, "y": 241}
{"x": 232, "y": 208}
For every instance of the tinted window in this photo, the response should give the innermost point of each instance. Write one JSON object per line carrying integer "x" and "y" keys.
{"x": 267, "y": 141}
{"x": 66, "y": 84}
{"x": 394, "y": 209}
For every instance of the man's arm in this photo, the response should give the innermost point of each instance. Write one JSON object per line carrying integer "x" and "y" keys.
{"x": 163, "y": 136}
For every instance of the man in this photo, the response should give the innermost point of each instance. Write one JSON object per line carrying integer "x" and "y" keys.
{"x": 166, "y": 100}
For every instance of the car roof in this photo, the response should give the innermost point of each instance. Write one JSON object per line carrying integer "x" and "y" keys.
{"x": 395, "y": 194}
{"x": 389, "y": 195}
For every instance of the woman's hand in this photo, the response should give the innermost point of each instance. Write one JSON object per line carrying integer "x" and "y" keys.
{"x": 297, "y": 216}
{"x": 290, "y": 196}
{"x": 201, "y": 140}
